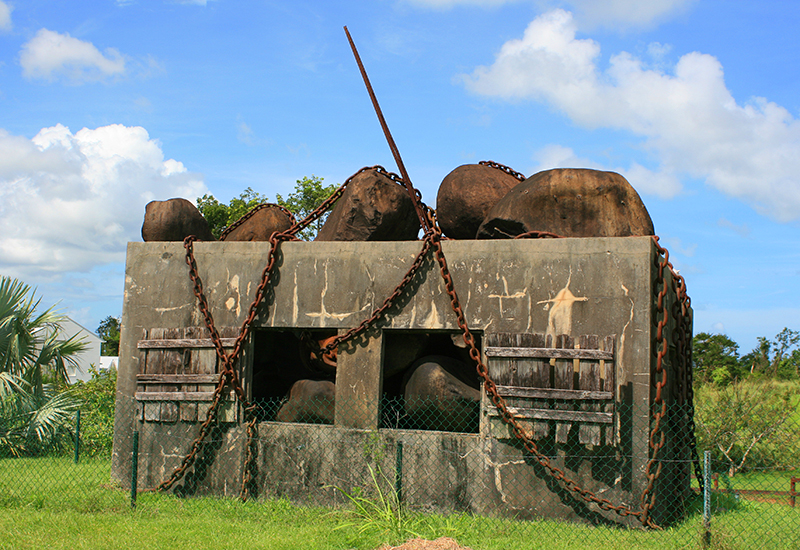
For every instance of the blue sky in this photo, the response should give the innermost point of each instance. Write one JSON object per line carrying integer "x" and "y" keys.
{"x": 106, "y": 105}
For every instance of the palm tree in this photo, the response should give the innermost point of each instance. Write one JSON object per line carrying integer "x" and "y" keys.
{"x": 33, "y": 360}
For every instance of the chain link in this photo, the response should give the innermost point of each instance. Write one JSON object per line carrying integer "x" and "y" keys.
{"x": 506, "y": 169}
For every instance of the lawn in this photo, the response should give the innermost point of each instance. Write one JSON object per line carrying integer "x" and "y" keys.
{"x": 53, "y": 503}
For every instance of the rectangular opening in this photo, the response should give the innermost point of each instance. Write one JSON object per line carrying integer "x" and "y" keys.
{"x": 287, "y": 383}
{"x": 429, "y": 382}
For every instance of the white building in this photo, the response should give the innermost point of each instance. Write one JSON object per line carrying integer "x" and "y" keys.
{"x": 88, "y": 357}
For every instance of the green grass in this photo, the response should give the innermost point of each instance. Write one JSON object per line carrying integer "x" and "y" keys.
{"x": 52, "y": 503}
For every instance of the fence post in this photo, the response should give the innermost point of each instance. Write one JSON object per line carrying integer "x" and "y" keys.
{"x": 77, "y": 435}
{"x": 706, "y": 499}
{"x": 134, "y": 468}
{"x": 793, "y": 492}
{"x": 398, "y": 476}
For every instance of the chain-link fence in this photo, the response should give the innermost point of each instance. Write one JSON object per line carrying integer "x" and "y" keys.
{"x": 453, "y": 457}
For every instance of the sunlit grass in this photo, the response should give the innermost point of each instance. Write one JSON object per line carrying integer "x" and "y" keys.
{"x": 53, "y": 503}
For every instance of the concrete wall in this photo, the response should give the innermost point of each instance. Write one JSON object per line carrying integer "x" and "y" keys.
{"x": 602, "y": 286}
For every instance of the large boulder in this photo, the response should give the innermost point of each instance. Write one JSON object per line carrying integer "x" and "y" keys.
{"x": 436, "y": 398}
{"x": 310, "y": 402}
{"x": 466, "y": 195}
{"x": 372, "y": 208}
{"x": 268, "y": 219}
{"x": 569, "y": 202}
{"x": 174, "y": 220}
{"x": 400, "y": 353}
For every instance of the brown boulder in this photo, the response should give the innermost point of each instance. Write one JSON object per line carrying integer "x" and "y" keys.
{"x": 436, "y": 398}
{"x": 268, "y": 219}
{"x": 174, "y": 220}
{"x": 570, "y": 202}
{"x": 372, "y": 208}
{"x": 466, "y": 195}
{"x": 310, "y": 402}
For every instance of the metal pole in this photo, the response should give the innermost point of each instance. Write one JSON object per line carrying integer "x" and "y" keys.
{"x": 423, "y": 220}
{"x": 134, "y": 468}
{"x": 77, "y": 435}
{"x": 398, "y": 476}
{"x": 707, "y": 499}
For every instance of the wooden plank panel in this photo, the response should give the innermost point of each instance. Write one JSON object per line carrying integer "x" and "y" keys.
{"x": 188, "y": 411}
{"x": 589, "y": 379}
{"x": 145, "y": 379}
{"x": 177, "y": 396}
{"x": 557, "y": 353}
{"x": 169, "y": 412}
{"x": 551, "y": 393}
{"x": 563, "y": 378}
{"x": 560, "y": 415}
{"x": 182, "y": 343}
{"x": 539, "y": 378}
{"x": 610, "y": 385}
{"x": 502, "y": 372}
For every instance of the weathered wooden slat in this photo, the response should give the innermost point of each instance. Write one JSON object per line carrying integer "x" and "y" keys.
{"x": 547, "y": 393}
{"x": 174, "y": 396}
{"x": 610, "y": 384}
{"x": 564, "y": 379}
{"x": 561, "y": 416}
{"x": 177, "y": 378}
{"x": 183, "y": 343}
{"x": 589, "y": 379}
{"x": 549, "y": 353}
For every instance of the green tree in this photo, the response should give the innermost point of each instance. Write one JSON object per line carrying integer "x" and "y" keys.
{"x": 778, "y": 358}
{"x": 219, "y": 215}
{"x": 745, "y": 422}
{"x": 33, "y": 413}
{"x": 108, "y": 331}
{"x": 308, "y": 194}
{"x": 715, "y": 358}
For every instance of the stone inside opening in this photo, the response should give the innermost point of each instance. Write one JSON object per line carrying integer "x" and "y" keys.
{"x": 429, "y": 382}
{"x": 281, "y": 358}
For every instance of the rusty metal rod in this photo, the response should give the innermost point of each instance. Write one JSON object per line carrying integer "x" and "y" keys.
{"x": 392, "y": 146}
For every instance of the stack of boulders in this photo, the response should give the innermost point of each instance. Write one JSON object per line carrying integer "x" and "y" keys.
{"x": 475, "y": 201}
{"x": 481, "y": 202}
{"x": 372, "y": 208}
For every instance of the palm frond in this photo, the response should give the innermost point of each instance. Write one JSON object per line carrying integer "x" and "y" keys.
{"x": 53, "y": 417}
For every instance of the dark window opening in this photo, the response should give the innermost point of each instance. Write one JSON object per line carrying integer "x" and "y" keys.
{"x": 280, "y": 359}
{"x": 430, "y": 382}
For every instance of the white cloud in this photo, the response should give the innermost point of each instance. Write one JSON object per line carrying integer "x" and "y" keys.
{"x": 688, "y": 119}
{"x": 742, "y": 230}
{"x": 625, "y": 14}
{"x": 5, "y": 16}
{"x": 661, "y": 184}
{"x": 49, "y": 55}
{"x": 558, "y": 156}
{"x": 69, "y": 202}
{"x": 618, "y": 15}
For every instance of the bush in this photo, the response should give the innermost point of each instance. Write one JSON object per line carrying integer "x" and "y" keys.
{"x": 749, "y": 424}
{"x": 97, "y": 397}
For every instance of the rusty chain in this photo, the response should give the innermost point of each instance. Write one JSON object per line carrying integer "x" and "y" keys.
{"x": 431, "y": 241}
{"x": 539, "y": 235}
{"x": 504, "y": 168}
{"x": 228, "y": 360}
{"x": 505, "y": 414}
{"x": 682, "y": 312}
